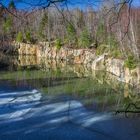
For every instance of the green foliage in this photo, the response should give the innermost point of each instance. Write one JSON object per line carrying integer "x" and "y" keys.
{"x": 28, "y": 36}
{"x": 70, "y": 29}
{"x": 112, "y": 41}
{"x": 111, "y": 47}
{"x": 84, "y": 40}
{"x": 114, "y": 49}
{"x": 102, "y": 49}
{"x": 58, "y": 44}
{"x": 19, "y": 37}
{"x": 113, "y": 52}
{"x": 130, "y": 62}
{"x": 12, "y": 5}
{"x": 41, "y": 34}
{"x": 116, "y": 53}
{"x": 71, "y": 33}
{"x": 7, "y": 24}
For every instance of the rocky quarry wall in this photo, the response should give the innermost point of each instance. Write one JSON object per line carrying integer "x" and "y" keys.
{"x": 86, "y": 57}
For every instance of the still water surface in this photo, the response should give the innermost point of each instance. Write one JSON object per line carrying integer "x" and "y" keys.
{"x": 53, "y": 100}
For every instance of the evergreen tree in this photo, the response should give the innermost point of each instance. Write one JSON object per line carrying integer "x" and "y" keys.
{"x": 19, "y": 37}
{"x": 84, "y": 39}
{"x": 71, "y": 34}
{"x": 7, "y": 24}
{"x": 28, "y": 36}
{"x": 11, "y": 5}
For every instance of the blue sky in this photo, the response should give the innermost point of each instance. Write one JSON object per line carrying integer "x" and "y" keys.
{"x": 136, "y": 3}
{"x": 72, "y": 3}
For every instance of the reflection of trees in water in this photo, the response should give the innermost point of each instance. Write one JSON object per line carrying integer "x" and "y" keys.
{"x": 96, "y": 88}
{"x": 131, "y": 101}
{"x": 18, "y": 61}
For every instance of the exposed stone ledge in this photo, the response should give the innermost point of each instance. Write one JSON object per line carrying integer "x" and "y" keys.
{"x": 83, "y": 56}
{"x": 25, "y": 49}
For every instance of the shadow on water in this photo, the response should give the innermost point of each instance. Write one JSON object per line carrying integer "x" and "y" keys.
{"x": 30, "y": 116}
{"x": 41, "y": 82}
{"x": 58, "y": 102}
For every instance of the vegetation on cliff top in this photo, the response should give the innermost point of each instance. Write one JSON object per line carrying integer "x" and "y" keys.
{"x": 113, "y": 28}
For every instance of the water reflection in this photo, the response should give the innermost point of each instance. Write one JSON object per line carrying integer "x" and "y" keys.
{"x": 41, "y": 98}
{"x": 96, "y": 90}
{"x": 28, "y": 114}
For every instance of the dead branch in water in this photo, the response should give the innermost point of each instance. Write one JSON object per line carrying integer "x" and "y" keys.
{"x": 129, "y": 111}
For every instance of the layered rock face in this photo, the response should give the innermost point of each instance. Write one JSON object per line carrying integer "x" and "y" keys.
{"x": 25, "y": 49}
{"x": 86, "y": 57}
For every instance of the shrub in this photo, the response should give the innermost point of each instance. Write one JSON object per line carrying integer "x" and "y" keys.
{"x": 130, "y": 62}
{"x": 112, "y": 41}
{"x": 116, "y": 54}
{"x": 111, "y": 47}
{"x": 84, "y": 40}
{"x": 19, "y": 37}
{"x": 102, "y": 49}
{"x": 7, "y": 24}
{"x": 58, "y": 44}
{"x": 114, "y": 49}
{"x": 71, "y": 34}
{"x": 28, "y": 36}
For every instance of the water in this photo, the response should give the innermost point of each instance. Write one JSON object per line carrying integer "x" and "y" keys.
{"x": 54, "y": 100}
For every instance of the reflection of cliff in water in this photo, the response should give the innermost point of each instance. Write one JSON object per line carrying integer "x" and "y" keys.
{"x": 79, "y": 81}
{"x": 15, "y": 62}
{"x": 4, "y": 61}
{"x": 32, "y": 62}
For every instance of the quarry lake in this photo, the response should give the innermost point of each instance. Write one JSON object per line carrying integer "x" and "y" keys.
{"x": 52, "y": 100}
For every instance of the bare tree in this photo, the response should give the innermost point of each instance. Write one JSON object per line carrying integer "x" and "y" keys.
{"x": 106, "y": 21}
